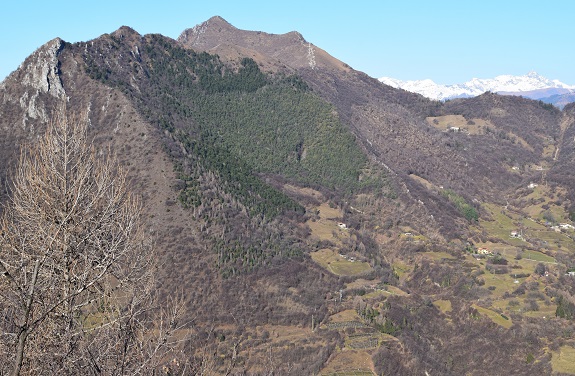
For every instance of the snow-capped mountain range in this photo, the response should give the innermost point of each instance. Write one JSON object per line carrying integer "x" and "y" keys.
{"x": 531, "y": 85}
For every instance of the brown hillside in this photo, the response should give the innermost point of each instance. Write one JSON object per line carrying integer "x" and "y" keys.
{"x": 217, "y": 36}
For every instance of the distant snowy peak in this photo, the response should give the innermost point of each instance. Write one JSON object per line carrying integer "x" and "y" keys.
{"x": 505, "y": 84}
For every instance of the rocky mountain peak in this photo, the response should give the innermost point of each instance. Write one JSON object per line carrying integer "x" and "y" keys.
{"x": 533, "y": 74}
{"x": 125, "y": 32}
{"x": 531, "y": 85}
{"x": 41, "y": 70}
{"x": 220, "y": 21}
{"x": 128, "y": 36}
{"x": 291, "y": 49}
{"x": 38, "y": 76}
{"x": 193, "y": 37}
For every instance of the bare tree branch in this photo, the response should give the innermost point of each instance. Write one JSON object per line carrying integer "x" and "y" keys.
{"x": 76, "y": 267}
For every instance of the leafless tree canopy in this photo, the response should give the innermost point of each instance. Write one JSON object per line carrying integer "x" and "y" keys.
{"x": 75, "y": 264}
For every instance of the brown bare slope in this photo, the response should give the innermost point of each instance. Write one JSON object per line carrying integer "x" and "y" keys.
{"x": 218, "y": 36}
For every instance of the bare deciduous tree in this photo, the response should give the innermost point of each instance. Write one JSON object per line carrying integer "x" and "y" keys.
{"x": 76, "y": 267}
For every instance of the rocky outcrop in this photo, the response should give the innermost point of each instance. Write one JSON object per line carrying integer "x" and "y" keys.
{"x": 42, "y": 70}
{"x": 38, "y": 76}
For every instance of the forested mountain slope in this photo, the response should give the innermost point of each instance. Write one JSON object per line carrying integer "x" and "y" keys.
{"x": 397, "y": 129}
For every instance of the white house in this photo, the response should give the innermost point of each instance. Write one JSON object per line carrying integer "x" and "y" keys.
{"x": 484, "y": 251}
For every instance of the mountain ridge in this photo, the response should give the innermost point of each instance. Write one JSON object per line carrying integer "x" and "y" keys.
{"x": 216, "y": 35}
{"x": 530, "y": 85}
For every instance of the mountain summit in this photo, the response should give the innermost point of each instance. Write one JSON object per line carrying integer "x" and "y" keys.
{"x": 531, "y": 85}
{"x": 218, "y": 36}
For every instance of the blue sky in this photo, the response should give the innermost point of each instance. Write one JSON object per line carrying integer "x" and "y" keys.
{"x": 446, "y": 41}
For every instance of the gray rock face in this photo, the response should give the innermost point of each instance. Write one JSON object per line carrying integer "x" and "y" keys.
{"x": 37, "y": 76}
{"x": 43, "y": 72}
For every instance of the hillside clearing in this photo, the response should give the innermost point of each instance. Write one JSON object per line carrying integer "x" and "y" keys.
{"x": 563, "y": 361}
{"x": 494, "y": 316}
{"x": 339, "y": 264}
